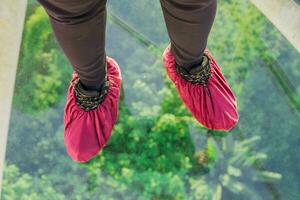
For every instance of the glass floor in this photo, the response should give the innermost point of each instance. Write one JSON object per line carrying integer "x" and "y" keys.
{"x": 157, "y": 150}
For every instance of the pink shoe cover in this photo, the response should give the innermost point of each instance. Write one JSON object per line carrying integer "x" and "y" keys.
{"x": 87, "y": 132}
{"x": 217, "y": 111}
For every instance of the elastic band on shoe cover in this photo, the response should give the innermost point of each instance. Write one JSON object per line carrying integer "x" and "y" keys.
{"x": 198, "y": 74}
{"x": 89, "y": 102}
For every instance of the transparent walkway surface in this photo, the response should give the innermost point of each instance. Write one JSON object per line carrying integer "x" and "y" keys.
{"x": 157, "y": 150}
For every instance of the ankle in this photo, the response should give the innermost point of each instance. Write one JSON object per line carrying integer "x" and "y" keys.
{"x": 90, "y": 99}
{"x": 93, "y": 90}
{"x": 188, "y": 66}
{"x": 91, "y": 87}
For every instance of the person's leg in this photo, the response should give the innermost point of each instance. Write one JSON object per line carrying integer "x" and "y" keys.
{"x": 79, "y": 27}
{"x": 192, "y": 68}
{"x": 89, "y": 115}
{"x": 189, "y": 23}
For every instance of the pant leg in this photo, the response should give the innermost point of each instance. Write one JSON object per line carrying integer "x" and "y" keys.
{"x": 79, "y": 27}
{"x": 189, "y": 23}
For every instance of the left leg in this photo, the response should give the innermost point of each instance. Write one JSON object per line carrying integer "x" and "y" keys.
{"x": 196, "y": 75}
{"x": 189, "y": 23}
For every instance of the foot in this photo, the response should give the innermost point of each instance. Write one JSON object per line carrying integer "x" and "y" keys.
{"x": 204, "y": 91}
{"x": 89, "y": 117}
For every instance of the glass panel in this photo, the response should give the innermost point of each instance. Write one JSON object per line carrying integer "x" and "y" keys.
{"x": 157, "y": 150}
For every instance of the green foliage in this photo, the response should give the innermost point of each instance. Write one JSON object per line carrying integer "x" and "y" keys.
{"x": 211, "y": 151}
{"x": 155, "y": 185}
{"x": 154, "y": 160}
{"x": 200, "y": 189}
{"x": 150, "y": 154}
{"x": 42, "y": 68}
{"x": 17, "y": 185}
{"x": 237, "y": 166}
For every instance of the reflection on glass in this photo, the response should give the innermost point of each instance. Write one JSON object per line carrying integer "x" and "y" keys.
{"x": 157, "y": 150}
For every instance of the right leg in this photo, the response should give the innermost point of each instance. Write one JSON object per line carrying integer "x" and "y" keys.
{"x": 89, "y": 116}
{"x": 188, "y": 23}
{"x": 79, "y": 27}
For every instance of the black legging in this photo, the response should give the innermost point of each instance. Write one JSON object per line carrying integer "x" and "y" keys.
{"x": 79, "y": 26}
